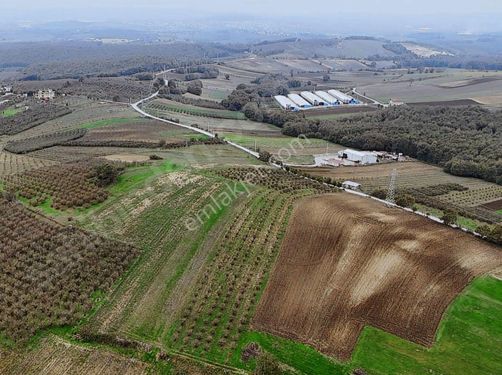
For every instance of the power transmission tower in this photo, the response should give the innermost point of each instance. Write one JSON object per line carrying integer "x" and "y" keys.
{"x": 391, "y": 193}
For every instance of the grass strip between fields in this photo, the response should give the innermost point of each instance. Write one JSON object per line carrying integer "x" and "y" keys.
{"x": 9, "y": 112}
{"x": 108, "y": 122}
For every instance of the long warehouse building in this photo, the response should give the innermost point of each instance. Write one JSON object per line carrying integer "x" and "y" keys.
{"x": 312, "y": 98}
{"x": 299, "y": 101}
{"x": 327, "y": 97}
{"x": 344, "y": 98}
{"x": 286, "y": 103}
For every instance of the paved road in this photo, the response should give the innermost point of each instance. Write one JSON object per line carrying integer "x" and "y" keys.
{"x": 136, "y": 107}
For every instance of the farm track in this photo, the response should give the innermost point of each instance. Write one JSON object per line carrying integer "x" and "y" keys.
{"x": 385, "y": 275}
{"x": 136, "y": 107}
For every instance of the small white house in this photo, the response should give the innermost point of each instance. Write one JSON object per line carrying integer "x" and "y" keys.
{"x": 362, "y": 157}
{"x": 351, "y": 185}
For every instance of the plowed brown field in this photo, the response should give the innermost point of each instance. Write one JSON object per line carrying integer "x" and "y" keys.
{"x": 347, "y": 262}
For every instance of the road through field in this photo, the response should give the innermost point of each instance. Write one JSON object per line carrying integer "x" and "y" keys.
{"x": 136, "y": 107}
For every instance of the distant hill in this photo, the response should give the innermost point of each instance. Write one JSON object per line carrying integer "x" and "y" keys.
{"x": 351, "y": 47}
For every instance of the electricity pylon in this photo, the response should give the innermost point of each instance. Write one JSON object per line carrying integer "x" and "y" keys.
{"x": 391, "y": 192}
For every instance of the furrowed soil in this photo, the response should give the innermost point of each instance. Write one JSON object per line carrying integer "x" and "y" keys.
{"x": 348, "y": 262}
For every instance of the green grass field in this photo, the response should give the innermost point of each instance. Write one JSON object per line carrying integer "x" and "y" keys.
{"x": 9, "y": 112}
{"x": 110, "y": 121}
{"x": 468, "y": 340}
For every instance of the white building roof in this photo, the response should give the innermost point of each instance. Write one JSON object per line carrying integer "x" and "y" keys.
{"x": 312, "y": 98}
{"x": 285, "y": 102}
{"x": 351, "y": 183}
{"x": 326, "y": 97}
{"x": 358, "y": 153}
{"x": 340, "y": 96}
{"x": 298, "y": 100}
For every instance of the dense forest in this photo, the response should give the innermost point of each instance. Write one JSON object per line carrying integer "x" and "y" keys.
{"x": 464, "y": 141}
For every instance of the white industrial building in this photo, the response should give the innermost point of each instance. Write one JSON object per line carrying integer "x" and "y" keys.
{"x": 286, "y": 103}
{"x": 362, "y": 157}
{"x": 312, "y": 98}
{"x": 299, "y": 101}
{"x": 327, "y": 97}
{"x": 344, "y": 98}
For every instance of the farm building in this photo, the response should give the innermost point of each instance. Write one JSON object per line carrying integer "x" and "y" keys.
{"x": 327, "y": 97}
{"x": 286, "y": 103}
{"x": 299, "y": 101}
{"x": 312, "y": 98}
{"x": 344, "y": 98}
{"x": 48, "y": 94}
{"x": 351, "y": 185}
{"x": 362, "y": 157}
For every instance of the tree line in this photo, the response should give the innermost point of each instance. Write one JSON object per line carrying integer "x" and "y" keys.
{"x": 464, "y": 141}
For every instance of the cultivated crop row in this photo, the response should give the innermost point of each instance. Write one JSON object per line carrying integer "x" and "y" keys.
{"x": 49, "y": 272}
{"x": 68, "y": 185}
{"x": 37, "y": 114}
{"x": 275, "y": 179}
{"x": 11, "y": 164}
{"x": 474, "y": 197}
{"x": 223, "y": 302}
{"x": 24, "y": 146}
{"x": 194, "y": 111}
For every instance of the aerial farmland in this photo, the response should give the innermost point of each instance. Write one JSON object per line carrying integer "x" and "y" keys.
{"x": 317, "y": 192}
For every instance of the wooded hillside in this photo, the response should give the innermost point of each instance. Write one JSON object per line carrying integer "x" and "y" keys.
{"x": 464, "y": 141}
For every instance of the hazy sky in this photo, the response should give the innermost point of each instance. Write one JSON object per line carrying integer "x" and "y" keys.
{"x": 464, "y": 15}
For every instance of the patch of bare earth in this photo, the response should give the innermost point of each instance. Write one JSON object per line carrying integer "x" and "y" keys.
{"x": 128, "y": 158}
{"x": 347, "y": 262}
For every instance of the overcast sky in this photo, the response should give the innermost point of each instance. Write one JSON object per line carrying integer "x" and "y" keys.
{"x": 463, "y": 15}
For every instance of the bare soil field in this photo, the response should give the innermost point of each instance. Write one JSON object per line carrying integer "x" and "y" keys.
{"x": 347, "y": 262}
{"x": 127, "y": 158}
{"x": 447, "y": 85}
{"x": 342, "y": 64}
{"x": 346, "y": 109}
{"x": 494, "y": 205}
{"x": 458, "y": 102}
